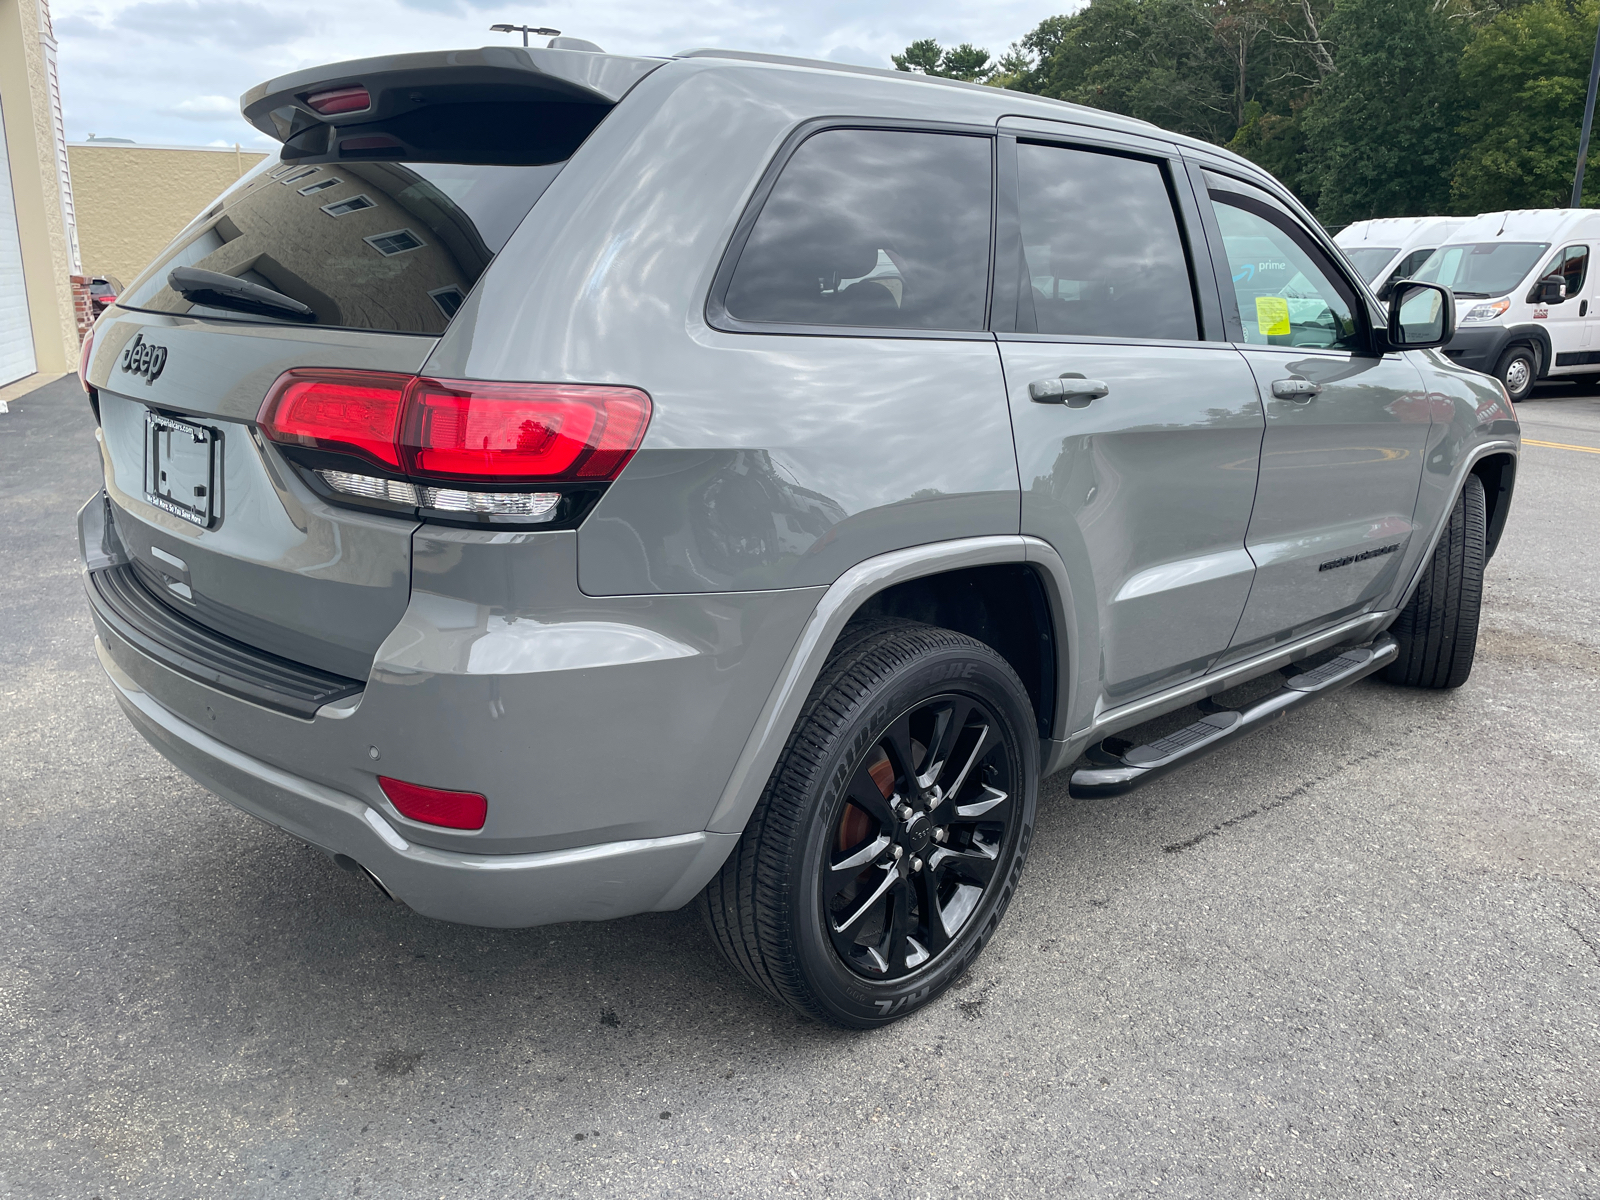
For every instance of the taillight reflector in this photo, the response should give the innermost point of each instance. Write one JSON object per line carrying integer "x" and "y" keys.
{"x": 345, "y": 412}
{"x": 340, "y": 100}
{"x": 458, "y": 429}
{"x": 436, "y": 806}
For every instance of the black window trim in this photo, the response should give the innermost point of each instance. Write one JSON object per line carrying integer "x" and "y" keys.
{"x": 719, "y": 318}
{"x": 1209, "y": 330}
{"x": 1313, "y": 238}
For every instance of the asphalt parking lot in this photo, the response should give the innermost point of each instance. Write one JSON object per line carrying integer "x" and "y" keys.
{"x": 1355, "y": 956}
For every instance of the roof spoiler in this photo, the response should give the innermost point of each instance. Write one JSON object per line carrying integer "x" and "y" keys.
{"x": 400, "y": 84}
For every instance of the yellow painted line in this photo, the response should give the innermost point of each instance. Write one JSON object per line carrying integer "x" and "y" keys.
{"x": 1561, "y": 446}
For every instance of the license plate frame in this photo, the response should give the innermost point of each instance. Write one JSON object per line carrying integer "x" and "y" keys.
{"x": 180, "y": 468}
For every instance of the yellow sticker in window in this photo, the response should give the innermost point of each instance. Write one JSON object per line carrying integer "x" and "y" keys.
{"x": 1272, "y": 316}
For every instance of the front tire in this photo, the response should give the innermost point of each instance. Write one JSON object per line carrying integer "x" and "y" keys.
{"x": 890, "y": 837}
{"x": 1518, "y": 370}
{"x": 1438, "y": 629}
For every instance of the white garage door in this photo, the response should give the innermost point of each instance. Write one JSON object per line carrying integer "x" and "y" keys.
{"x": 16, "y": 333}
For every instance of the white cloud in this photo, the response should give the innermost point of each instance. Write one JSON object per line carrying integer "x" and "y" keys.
{"x": 152, "y": 69}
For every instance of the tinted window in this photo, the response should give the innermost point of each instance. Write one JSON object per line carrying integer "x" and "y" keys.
{"x": 1288, "y": 292}
{"x": 1482, "y": 269}
{"x": 1572, "y": 264}
{"x": 1369, "y": 260}
{"x": 1104, "y": 257}
{"x": 872, "y": 228}
{"x": 365, "y": 245}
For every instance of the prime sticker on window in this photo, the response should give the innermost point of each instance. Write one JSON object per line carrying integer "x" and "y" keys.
{"x": 1272, "y": 316}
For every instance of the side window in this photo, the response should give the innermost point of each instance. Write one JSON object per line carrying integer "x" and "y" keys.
{"x": 1288, "y": 292}
{"x": 1572, "y": 264}
{"x": 1101, "y": 242}
{"x": 872, "y": 228}
{"x": 1411, "y": 264}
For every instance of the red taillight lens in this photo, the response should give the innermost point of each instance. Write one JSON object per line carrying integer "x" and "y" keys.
{"x": 346, "y": 412}
{"x": 83, "y": 360}
{"x": 340, "y": 100}
{"x": 544, "y": 432}
{"x": 435, "y": 806}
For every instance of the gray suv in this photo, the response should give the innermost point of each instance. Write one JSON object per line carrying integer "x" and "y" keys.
{"x": 562, "y": 485}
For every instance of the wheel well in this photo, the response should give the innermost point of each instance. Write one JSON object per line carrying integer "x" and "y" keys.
{"x": 1004, "y": 606}
{"x": 1498, "y": 473}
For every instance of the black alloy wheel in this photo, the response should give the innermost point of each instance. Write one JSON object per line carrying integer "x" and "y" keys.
{"x": 918, "y": 837}
{"x": 892, "y": 832}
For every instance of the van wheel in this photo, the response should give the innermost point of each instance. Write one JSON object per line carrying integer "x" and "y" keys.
{"x": 1518, "y": 369}
{"x": 1438, "y": 629}
{"x": 890, "y": 837}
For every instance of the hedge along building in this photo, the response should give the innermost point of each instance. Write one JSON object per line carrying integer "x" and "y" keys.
{"x": 38, "y": 237}
{"x": 132, "y": 199}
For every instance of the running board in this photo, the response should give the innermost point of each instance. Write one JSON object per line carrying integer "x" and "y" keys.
{"x": 1115, "y": 773}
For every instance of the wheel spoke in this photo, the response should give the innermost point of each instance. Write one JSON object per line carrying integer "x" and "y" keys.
{"x": 896, "y": 742}
{"x": 948, "y": 723}
{"x": 974, "y": 866}
{"x": 863, "y": 856}
{"x": 987, "y": 799}
{"x": 978, "y": 749}
{"x": 929, "y": 895}
{"x": 897, "y": 948}
{"x": 890, "y": 875}
{"x": 866, "y": 793}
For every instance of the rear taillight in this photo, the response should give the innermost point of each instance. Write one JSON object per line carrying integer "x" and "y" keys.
{"x": 340, "y": 100}
{"x": 83, "y": 360}
{"x": 341, "y": 412}
{"x": 457, "y": 446}
{"x": 435, "y": 806}
{"x": 534, "y": 432}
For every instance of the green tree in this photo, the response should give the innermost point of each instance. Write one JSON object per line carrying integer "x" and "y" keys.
{"x": 965, "y": 62}
{"x": 1380, "y": 132}
{"x": 1523, "y": 78}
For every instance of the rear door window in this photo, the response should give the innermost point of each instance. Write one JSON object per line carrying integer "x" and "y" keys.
{"x": 1101, "y": 242}
{"x": 871, "y": 228}
{"x": 393, "y": 246}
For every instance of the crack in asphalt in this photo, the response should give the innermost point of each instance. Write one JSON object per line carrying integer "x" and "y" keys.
{"x": 1261, "y": 810}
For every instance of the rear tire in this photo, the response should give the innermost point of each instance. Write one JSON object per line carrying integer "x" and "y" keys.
{"x": 1438, "y": 629}
{"x": 890, "y": 838}
{"x": 1518, "y": 370}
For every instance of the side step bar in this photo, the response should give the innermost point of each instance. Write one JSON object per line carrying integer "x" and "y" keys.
{"x": 1115, "y": 773}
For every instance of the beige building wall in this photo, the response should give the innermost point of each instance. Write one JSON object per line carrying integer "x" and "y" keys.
{"x": 42, "y": 191}
{"x": 132, "y": 200}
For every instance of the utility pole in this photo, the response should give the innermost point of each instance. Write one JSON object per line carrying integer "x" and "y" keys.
{"x": 1588, "y": 123}
{"x": 525, "y": 30}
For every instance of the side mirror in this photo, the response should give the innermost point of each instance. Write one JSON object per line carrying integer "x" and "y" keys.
{"x": 1552, "y": 289}
{"x": 1421, "y": 315}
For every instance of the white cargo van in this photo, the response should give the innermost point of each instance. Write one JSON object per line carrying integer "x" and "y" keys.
{"x": 1525, "y": 294}
{"x": 1393, "y": 248}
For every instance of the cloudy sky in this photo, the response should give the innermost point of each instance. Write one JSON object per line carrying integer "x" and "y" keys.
{"x": 171, "y": 71}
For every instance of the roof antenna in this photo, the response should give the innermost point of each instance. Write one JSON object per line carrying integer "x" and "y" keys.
{"x": 525, "y": 30}
{"x": 1504, "y": 217}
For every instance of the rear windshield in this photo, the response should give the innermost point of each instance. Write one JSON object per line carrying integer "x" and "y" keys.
{"x": 393, "y": 246}
{"x": 1482, "y": 269}
{"x": 1369, "y": 260}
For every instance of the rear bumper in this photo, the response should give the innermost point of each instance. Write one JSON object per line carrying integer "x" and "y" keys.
{"x": 585, "y": 883}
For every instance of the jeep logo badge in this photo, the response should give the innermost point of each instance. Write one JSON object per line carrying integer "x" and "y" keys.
{"x": 141, "y": 358}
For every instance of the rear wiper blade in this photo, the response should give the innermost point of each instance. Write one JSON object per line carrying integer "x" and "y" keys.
{"x": 216, "y": 290}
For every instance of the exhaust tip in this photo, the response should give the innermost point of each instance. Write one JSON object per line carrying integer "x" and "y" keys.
{"x": 355, "y": 868}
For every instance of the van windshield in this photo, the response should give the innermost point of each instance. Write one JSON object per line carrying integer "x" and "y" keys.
{"x": 393, "y": 246}
{"x": 1481, "y": 269}
{"x": 1369, "y": 260}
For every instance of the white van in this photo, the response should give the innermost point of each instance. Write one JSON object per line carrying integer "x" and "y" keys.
{"x": 1524, "y": 293}
{"x": 1393, "y": 248}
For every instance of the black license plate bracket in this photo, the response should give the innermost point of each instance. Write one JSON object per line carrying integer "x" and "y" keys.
{"x": 180, "y": 468}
